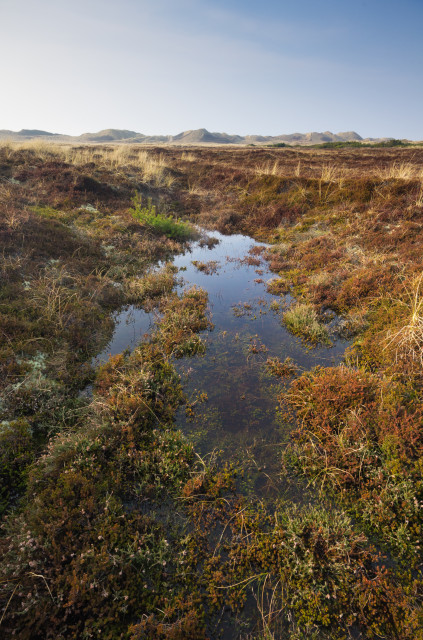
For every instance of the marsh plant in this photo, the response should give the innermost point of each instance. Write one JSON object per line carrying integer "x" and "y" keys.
{"x": 114, "y": 529}
{"x": 160, "y": 223}
{"x": 302, "y": 320}
{"x": 407, "y": 340}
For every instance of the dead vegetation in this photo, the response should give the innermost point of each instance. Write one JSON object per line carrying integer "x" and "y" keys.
{"x": 346, "y": 233}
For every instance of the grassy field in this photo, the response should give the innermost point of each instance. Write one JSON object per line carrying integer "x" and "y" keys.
{"x": 113, "y": 527}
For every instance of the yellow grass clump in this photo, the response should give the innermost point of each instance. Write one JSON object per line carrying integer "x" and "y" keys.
{"x": 398, "y": 171}
{"x": 408, "y": 339}
{"x": 153, "y": 169}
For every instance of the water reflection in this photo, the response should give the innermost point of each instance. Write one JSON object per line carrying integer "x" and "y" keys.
{"x": 131, "y": 324}
{"x": 240, "y": 417}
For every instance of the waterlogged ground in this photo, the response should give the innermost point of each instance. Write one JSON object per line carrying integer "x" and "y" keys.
{"x": 234, "y": 411}
{"x": 114, "y": 527}
{"x": 131, "y": 324}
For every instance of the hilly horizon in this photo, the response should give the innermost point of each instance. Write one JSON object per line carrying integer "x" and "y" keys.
{"x": 189, "y": 137}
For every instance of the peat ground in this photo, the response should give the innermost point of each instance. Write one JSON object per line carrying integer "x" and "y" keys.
{"x": 112, "y": 526}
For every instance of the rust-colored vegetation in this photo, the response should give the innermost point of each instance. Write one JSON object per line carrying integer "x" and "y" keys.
{"x": 113, "y": 527}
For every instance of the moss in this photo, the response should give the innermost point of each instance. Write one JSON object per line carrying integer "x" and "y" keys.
{"x": 120, "y": 531}
{"x": 16, "y": 454}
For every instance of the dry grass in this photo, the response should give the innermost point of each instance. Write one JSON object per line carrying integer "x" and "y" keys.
{"x": 399, "y": 171}
{"x": 268, "y": 169}
{"x": 407, "y": 341}
{"x": 41, "y": 147}
{"x": 330, "y": 173}
{"x": 268, "y": 605}
{"x": 195, "y": 190}
{"x": 153, "y": 168}
{"x": 188, "y": 157}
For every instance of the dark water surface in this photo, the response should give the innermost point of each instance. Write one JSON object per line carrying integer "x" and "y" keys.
{"x": 131, "y": 324}
{"x": 241, "y": 420}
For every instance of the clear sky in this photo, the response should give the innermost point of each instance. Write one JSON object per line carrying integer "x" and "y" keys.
{"x": 238, "y": 66}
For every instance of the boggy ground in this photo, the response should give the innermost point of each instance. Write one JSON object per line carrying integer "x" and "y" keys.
{"x": 113, "y": 527}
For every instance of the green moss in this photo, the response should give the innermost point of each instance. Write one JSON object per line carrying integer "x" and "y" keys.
{"x": 16, "y": 454}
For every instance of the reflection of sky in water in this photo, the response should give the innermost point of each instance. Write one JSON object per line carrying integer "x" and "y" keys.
{"x": 234, "y": 284}
{"x": 240, "y": 416}
{"x": 130, "y": 326}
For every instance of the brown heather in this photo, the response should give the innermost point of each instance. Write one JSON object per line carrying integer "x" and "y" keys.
{"x": 112, "y": 526}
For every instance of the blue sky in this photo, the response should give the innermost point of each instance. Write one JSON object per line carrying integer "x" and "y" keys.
{"x": 164, "y": 66}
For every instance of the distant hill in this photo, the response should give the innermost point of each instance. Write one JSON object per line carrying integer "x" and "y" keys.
{"x": 31, "y": 134}
{"x": 315, "y": 137}
{"x": 26, "y": 134}
{"x": 191, "y": 137}
{"x": 108, "y": 135}
{"x": 199, "y": 136}
{"x": 34, "y": 133}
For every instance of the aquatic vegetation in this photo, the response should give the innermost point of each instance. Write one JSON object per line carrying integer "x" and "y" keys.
{"x": 278, "y": 286}
{"x": 209, "y": 268}
{"x": 114, "y": 526}
{"x": 151, "y": 285}
{"x": 182, "y": 319}
{"x": 302, "y": 320}
{"x": 281, "y": 369}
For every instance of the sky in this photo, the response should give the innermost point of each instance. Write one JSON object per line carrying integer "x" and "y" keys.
{"x": 237, "y": 66}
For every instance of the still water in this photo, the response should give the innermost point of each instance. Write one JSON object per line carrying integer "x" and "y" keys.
{"x": 236, "y": 402}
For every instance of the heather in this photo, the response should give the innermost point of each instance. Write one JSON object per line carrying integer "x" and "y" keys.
{"x": 113, "y": 525}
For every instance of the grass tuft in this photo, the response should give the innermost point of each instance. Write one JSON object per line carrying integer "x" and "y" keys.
{"x": 407, "y": 341}
{"x": 302, "y": 320}
{"x": 398, "y": 171}
{"x": 159, "y": 222}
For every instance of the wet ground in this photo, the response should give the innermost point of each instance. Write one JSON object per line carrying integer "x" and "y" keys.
{"x": 236, "y": 413}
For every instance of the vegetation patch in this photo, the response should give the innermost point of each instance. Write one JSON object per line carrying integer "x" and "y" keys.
{"x": 159, "y": 222}
{"x": 302, "y": 320}
{"x": 112, "y": 526}
{"x": 209, "y": 268}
